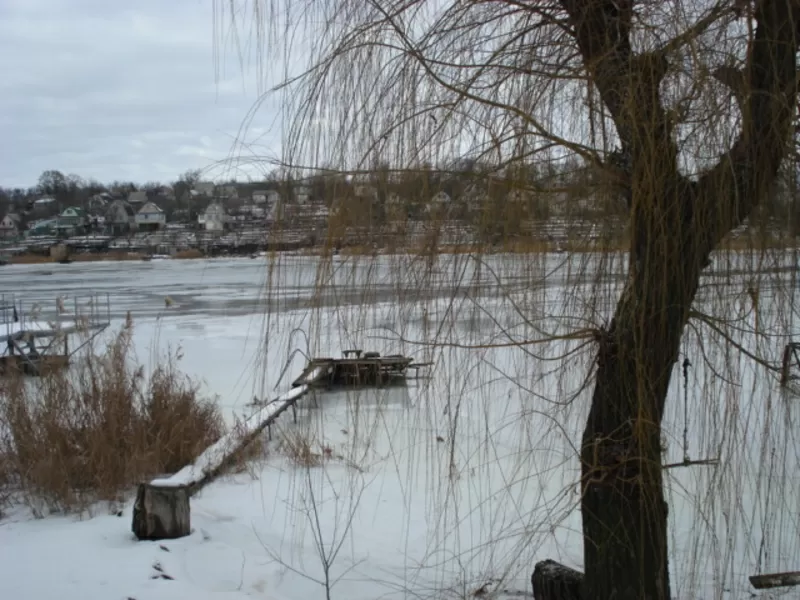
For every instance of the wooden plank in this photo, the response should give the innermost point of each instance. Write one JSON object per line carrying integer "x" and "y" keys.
{"x": 773, "y": 580}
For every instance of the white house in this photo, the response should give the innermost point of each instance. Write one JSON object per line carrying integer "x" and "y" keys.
{"x": 150, "y": 217}
{"x": 302, "y": 194}
{"x": 9, "y": 226}
{"x": 269, "y": 197}
{"x": 214, "y": 218}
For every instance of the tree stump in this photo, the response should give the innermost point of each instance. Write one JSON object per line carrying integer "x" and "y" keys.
{"x": 161, "y": 512}
{"x": 554, "y": 581}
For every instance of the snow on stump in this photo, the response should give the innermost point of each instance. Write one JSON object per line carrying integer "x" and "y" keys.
{"x": 161, "y": 512}
{"x": 554, "y": 581}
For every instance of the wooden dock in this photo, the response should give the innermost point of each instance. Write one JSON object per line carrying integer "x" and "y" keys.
{"x": 33, "y": 345}
{"x": 161, "y": 509}
{"x": 357, "y": 368}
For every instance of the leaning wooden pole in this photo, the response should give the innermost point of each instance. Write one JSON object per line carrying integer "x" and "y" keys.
{"x": 161, "y": 509}
{"x": 774, "y": 580}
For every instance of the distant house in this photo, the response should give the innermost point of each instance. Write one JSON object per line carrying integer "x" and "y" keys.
{"x": 150, "y": 217}
{"x": 72, "y": 220}
{"x": 120, "y": 218}
{"x": 439, "y": 203}
{"x": 45, "y": 205}
{"x": 214, "y": 218}
{"x": 165, "y": 191}
{"x": 365, "y": 191}
{"x": 254, "y": 211}
{"x": 204, "y": 188}
{"x": 475, "y": 199}
{"x": 227, "y": 191}
{"x": 396, "y": 207}
{"x": 137, "y": 199}
{"x": 97, "y": 204}
{"x": 43, "y": 228}
{"x": 302, "y": 194}
{"x": 10, "y": 226}
{"x": 261, "y": 196}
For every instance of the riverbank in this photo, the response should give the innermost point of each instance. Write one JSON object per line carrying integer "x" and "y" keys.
{"x": 421, "y": 247}
{"x": 118, "y": 256}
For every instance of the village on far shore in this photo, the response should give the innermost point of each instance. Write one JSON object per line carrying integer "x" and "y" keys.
{"x": 542, "y": 210}
{"x": 209, "y": 218}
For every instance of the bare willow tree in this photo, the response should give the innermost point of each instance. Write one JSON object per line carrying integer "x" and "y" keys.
{"x": 685, "y": 108}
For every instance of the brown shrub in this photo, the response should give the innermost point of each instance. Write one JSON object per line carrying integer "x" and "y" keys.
{"x": 106, "y": 256}
{"x": 30, "y": 259}
{"x": 34, "y": 259}
{"x": 89, "y": 433}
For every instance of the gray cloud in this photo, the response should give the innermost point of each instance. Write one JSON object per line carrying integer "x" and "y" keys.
{"x": 116, "y": 90}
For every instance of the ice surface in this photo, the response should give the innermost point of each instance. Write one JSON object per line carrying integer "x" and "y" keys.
{"x": 431, "y": 489}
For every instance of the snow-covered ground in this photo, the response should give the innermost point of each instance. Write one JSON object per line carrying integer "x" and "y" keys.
{"x": 432, "y": 490}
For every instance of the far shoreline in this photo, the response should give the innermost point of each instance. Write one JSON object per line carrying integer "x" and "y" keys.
{"x": 520, "y": 247}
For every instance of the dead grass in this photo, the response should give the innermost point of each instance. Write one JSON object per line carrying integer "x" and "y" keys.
{"x": 87, "y": 434}
{"x": 104, "y": 256}
{"x": 36, "y": 259}
{"x": 300, "y": 450}
{"x": 190, "y": 253}
{"x": 30, "y": 259}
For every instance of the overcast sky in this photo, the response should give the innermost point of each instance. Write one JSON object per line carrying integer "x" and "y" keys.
{"x": 111, "y": 89}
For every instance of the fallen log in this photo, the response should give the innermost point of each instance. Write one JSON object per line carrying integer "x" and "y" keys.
{"x": 161, "y": 510}
{"x": 553, "y": 581}
{"x": 773, "y": 580}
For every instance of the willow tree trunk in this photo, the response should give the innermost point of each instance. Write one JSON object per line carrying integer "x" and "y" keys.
{"x": 675, "y": 224}
{"x": 623, "y": 506}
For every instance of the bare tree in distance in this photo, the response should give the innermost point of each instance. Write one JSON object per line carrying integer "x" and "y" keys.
{"x": 686, "y": 108}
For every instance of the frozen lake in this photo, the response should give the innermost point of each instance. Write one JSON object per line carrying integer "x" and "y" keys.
{"x": 469, "y": 476}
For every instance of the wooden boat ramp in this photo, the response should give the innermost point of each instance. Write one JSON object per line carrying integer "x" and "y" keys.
{"x": 357, "y": 368}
